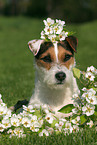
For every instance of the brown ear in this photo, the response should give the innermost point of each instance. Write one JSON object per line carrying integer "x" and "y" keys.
{"x": 73, "y": 42}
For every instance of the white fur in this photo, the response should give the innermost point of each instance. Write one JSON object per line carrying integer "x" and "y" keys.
{"x": 56, "y": 50}
{"x": 34, "y": 45}
{"x": 47, "y": 91}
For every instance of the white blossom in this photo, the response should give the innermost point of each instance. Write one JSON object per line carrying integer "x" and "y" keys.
{"x": 90, "y": 123}
{"x": 88, "y": 110}
{"x": 48, "y": 22}
{"x": 52, "y": 37}
{"x": 76, "y": 120}
{"x": 44, "y": 132}
{"x": 8, "y": 114}
{"x": 29, "y": 108}
{"x": 75, "y": 128}
{"x": 1, "y": 127}
{"x": 59, "y": 125}
{"x": 92, "y": 100}
{"x": 60, "y": 22}
{"x": 92, "y": 69}
{"x": 42, "y": 35}
{"x": 18, "y": 132}
{"x": 3, "y": 110}
{"x": 57, "y": 29}
{"x": 84, "y": 89}
{"x": 54, "y": 30}
{"x": 15, "y": 121}
{"x": 26, "y": 122}
{"x": 68, "y": 127}
{"x": 34, "y": 127}
{"x": 63, "y": 35}
{"x": 6, "y": 123}
{"x": 33, "y": 118}
{"x": 90, "y": 76}
{"x": 48, "y": 30}
{"x": 49, "y": 118}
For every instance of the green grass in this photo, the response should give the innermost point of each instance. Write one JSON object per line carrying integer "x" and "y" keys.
{"x": 86, "y": 137}
{"x": 17, "y": 72}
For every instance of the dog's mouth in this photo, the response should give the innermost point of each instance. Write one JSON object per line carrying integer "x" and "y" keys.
{"x": 60, "y": 83}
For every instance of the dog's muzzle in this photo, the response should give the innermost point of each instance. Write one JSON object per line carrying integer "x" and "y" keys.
{"x": 60, "y": 77}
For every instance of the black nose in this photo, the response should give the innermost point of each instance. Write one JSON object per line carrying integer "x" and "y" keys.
{"x": 60, "y": 76}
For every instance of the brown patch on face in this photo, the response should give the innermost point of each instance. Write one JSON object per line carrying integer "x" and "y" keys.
{"x": 65, "y": 57}
{"x": 47, "y": 58}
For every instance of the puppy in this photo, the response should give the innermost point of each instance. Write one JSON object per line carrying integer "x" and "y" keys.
{"x": 54, "y": 80}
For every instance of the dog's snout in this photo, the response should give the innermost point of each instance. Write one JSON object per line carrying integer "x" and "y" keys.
{"x": 60, "y": 76}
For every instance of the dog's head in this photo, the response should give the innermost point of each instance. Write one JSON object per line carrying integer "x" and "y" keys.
{"x": 54, "y": 68}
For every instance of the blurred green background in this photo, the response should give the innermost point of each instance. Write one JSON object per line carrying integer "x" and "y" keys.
{"x": 21, "y": 21}
{"x": 70, "y": 10}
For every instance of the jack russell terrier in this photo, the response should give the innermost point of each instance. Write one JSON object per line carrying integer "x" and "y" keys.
{"x": 54, "y": 80}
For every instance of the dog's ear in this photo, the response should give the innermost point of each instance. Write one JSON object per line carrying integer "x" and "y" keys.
{"x": 73, "y": 42}
{"x": 34, "y": 45}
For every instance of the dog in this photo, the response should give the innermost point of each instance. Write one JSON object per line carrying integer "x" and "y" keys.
{"x": 54, "y": 80}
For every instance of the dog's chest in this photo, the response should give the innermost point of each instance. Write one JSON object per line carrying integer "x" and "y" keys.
{"x": 53, "y": 97}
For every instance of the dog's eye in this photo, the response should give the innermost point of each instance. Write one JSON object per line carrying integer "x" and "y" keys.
{"x": 47, "y": 59}
{"x": 67, "y": 57}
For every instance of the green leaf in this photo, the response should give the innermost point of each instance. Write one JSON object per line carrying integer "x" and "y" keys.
{"x": 95, "y": 79}
{"x": 76, "y": 72}
{"x": 95, "y": 108}
{"x": 83, "y": 119}
{"x": 95, "y": 113}
{"x": 37, "y": 113}
{"x": 53, "y": 124}
{"x": 95, "y": 89}
{"x": 66, "y": 109}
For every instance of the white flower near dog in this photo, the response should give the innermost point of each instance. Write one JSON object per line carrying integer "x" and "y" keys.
{"x": 68, "y": 128}
{"x": 92, "y": 69}
{"x": 48, "y": 30}
{"x": 49, "y": 118}
{"x": 92, "y": 99}
{"x": 44, "y": 132}
{"x": 75, "y": 128}
{"x": 88, "y": 110}
{"x": 6, "y": 123}
{"x": 63, "y": 35}
{"x": 76, "y": 120}
{"x": 29, "y": 108}
{"x": 1, "y": 127}
{"x": 19, "y": 132}
{"x": 34, "y": 127}
{"x": 33, "y": 118}
{"x": 62, "y": 23}
{"x": 54, "y": 30}
{"x": 15, "y": 120}
{"x": 90, "y": 76}
{"x": 91, "y": 124}
{"x": 26, "y": 122}
{"x": 48, "y": 22}
{"x": 59, "y": 125}
{"x": 3, "y": 110}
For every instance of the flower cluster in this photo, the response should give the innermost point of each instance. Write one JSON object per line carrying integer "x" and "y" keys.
{"x": 41, "y": 119}
{"x": 85, "y": 103}
{"x": 90, "y": 73}
{"x": 54, "y": 30}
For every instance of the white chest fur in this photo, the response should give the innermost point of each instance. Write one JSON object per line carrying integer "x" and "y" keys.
{"x": 56, "y": 98}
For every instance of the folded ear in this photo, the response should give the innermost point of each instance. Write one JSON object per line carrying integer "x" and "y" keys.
{"x": 34, "y": 45}
{"x": 73, "y": 42}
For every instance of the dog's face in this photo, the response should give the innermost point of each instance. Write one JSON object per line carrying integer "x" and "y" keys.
{"x": 54, "y": 69}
